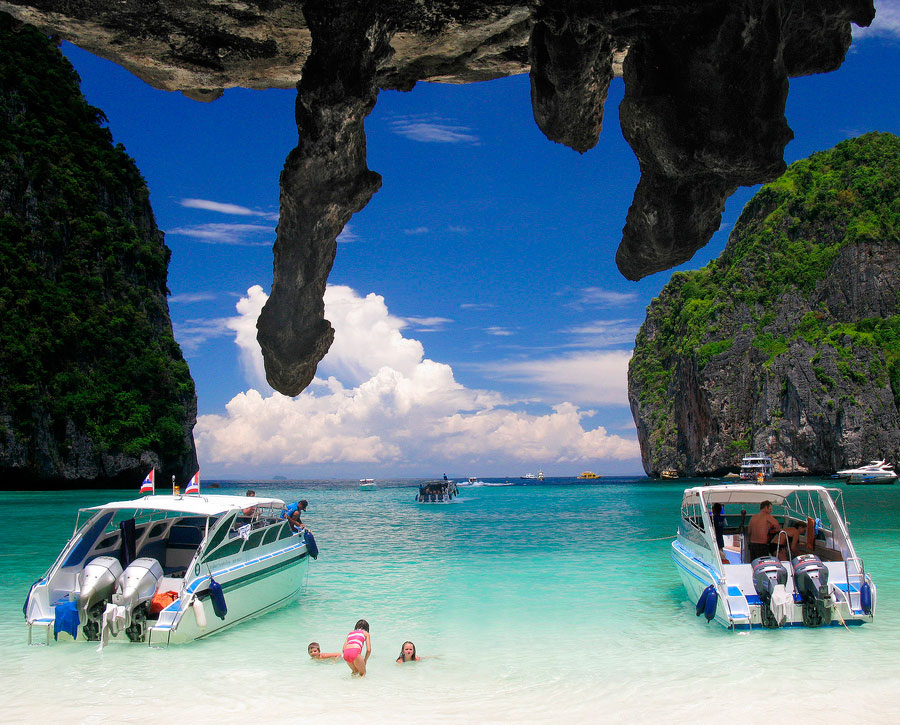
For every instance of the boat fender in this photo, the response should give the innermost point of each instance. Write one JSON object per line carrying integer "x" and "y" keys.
{"x": 218, "y": 598}
{"x": 712, "y": 602}
{"x": 310, "y": 542}
{"x": 701, "y": 602}
{"x": 865, "y": 597}
{"x": 199, "y": 613}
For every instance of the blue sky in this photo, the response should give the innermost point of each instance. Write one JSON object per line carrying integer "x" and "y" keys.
{"x": 481, "y": 325}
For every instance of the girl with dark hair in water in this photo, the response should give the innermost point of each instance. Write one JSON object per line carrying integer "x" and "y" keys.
{"x": 408, "y": 653}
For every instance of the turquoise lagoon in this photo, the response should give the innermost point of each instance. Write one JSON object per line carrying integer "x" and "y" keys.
{"x": 537, "y": 603}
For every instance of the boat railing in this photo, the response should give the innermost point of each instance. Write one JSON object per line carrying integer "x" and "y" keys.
{"x": 860, "y": 573}
{"x": 787, "y": 544}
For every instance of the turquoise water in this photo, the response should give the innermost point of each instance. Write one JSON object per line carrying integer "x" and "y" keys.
{"x": 532, "y": 603}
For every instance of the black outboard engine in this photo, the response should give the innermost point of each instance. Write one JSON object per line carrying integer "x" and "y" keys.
{"x": 769, "y": 580}
{"x": 811, "y": 582}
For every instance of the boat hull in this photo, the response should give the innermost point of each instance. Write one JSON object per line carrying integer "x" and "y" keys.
{"x": 739, "y": 606}
{"x": 250, "y": 589}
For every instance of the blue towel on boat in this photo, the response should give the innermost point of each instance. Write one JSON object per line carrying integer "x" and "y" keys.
{"x": 66, "y": 619}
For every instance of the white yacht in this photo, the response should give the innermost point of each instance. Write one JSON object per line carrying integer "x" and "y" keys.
{"x": 367, "y": 484}
{"x": 167, "y": 569}
{"x": 757, "y": 466}
{"x": 813, "y": 579}
{"x": 528, "y": 476}
{"x": 874, "y": 472}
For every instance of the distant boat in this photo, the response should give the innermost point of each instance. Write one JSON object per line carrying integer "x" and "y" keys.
{"x": 757, "y": 466}
{"x": 589, "y": 474}
{"x": 437, "y": 492}
{"x": 529, "y": 477}
{"x": 540, "y": 476}
{"x": 367, "y": 484}
{"x": 472, "y": 481}
{"x": 669, "y": 474}
{"x": 874, "y": 472}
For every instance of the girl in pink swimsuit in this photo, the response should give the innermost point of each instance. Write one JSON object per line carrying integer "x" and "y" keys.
{"x": 353, "y": 646}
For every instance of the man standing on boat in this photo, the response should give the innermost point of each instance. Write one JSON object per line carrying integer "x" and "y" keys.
{"x": 293, "y": 513}
{"x": 760, "y": 530}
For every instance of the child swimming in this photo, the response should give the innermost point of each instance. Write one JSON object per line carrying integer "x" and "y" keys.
{"x": 316, "y": 652}
{"x": 408, "y": 653}
{"x": 353, "y": 645}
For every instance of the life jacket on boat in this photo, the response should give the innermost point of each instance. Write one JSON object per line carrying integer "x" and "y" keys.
{"x": 161, "y": 600}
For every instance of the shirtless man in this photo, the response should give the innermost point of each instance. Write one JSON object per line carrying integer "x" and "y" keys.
{"x": 761, "y": 528}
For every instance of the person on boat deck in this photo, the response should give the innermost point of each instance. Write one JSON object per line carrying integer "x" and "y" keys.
{"x": 781, "y": 543}
{"x": 718, "y": 518}
{"x": 353, "y": 646}
{"x": 718, "y": 521}
{"x": 293, "y": 513}
{"x": 407, "y": 653}
{"x": 250, "y": 510}
{"x": 317, "y": 654}
{"x": 761, "y": 528}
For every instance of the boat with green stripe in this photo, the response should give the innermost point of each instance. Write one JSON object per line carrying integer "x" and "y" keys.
{"x": 160, "y": 570}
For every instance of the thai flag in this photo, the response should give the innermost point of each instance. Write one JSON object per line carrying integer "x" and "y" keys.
{"x": 194, "y": 484}
{"x": 147, "y": 484}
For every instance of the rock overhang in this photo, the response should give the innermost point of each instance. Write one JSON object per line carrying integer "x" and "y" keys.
{"x": 706, "y": 83}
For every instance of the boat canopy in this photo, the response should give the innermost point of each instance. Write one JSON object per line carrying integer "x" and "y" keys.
{"x": 190, "y": 504}
{"x": 737, "y": 493}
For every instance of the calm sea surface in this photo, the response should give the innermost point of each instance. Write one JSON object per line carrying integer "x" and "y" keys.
{"x": 537, "y": 603}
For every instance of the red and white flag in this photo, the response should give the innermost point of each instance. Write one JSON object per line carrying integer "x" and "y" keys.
{"x": 147, "y": 483}
{"x": 194, "y": 484}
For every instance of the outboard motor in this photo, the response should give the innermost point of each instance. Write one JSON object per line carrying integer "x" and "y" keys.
{"x": 769, "y": 580}
{"x": 98, "y": 581}
{"x": 136, "y": 587}
{"x": 811, "y": 581}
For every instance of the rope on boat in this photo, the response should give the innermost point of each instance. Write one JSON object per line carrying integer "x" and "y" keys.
{"x": 661, "y": 538}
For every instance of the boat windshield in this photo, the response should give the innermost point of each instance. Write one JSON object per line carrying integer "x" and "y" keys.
{"x": 791, "y": 505}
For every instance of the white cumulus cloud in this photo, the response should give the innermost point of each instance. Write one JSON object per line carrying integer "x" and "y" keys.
{"x": 586, "y": 378}
{"x": 377, "y": 399}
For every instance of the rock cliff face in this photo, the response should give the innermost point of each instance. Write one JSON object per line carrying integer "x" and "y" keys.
{"x": 790, "y": 342}
{"x": 706, "y": 83}
{"x": 93, "y": 388}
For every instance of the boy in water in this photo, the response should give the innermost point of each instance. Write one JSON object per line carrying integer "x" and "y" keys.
{"x": 317, "y": 654}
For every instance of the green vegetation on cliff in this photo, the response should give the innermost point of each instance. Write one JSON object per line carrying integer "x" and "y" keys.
{"x": 783, "y": 255}
{"x": 85, "y": 337}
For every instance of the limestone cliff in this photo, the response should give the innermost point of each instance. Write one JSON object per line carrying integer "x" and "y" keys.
{"x": 93, "y": 388}
{"x": 705, "y": 89}
{"x": 790, "y": 341}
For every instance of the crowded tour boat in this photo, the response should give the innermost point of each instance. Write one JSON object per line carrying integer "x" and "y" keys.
{"x": 437, "y": 492}
{"x": 808, "y": 574}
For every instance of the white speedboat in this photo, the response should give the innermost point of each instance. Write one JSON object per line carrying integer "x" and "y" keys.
{"x": 874, "y": 472}
{"x": 820, "y": 582}
{"x": 367, "y": 484}
{"x": 167, "y": 569}
{"x": 757, "y": 467}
